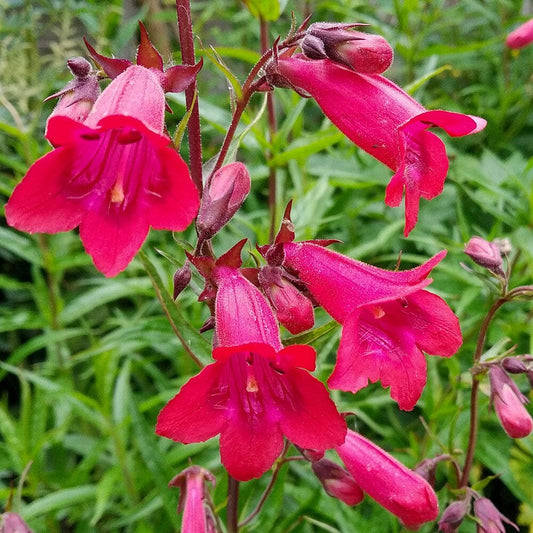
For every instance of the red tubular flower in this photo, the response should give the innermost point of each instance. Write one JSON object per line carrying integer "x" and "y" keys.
{"x": 197, "y": 516}
{"x": 386, "y": 122}
{"x": 509, "y": 403}
{"x": 114, "y": 175}
{"x": 386, "y": 480}
{"x": 388, "y": 320}
{"x": 521, "y": 36}
{"x": 256, "y": 391}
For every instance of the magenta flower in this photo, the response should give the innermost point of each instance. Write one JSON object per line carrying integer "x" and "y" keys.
{"x": 255, "y": 392}
{"x": 486, "y": 254}
{"x": 509, "y": 403}
{"x": 198, "y": 517}
{"x": 388, "y": 320}
{"x": 114, "y": 176}
{"x": 13, "y": 523}
{"x": 386, "y": 122}
{"x": 521, "y": 36}
{"x": 386, "y": 480}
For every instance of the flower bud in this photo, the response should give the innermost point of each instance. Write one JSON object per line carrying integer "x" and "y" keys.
{"x": 521, "y": 36}
{"x": 13, "y": 523}
{"x": 197, "y": 514}
{"x": 181, "y": 279}
{"x": 363, "y": 52}
{"x": 292, "y": 308}
{"x": 427, "y": 467}
{"x": 514, "y": 365}
{"x": 76, "y": 99}
{"x": 489, "y": 518}
{"x": 337, "y": 482}
{"x": 453, "y": 515}
{"x": 509, "y": 402}
{"x": 223, "y": 196}
{"x": 486, "y": 254}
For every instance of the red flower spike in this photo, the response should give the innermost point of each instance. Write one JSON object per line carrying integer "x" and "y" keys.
{"x": 255, "y": 392}
{"x": 388, "y": 320}
{"x": 114, "y": 175}
{"x": 509, "y": 403}
{"x": 386, "y": 122}
{"x": 197, "y": 515}
{"x": 395, "y": 487}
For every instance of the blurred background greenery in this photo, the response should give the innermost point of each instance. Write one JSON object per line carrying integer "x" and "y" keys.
{"x": 87, "y": 362}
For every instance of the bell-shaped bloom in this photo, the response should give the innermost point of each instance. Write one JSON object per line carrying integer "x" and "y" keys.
{"x": 388, "y": 319}
{"x": 293, "y": 309}
{"x": 521, "y": 36}
{"x": 337, "y": 481}
{"x": 490, "y": 520}
{"x": 386, "y": 122}
{"x": 386, "y": 480}
{"x": 198, "y": 517}
{"x": 114, "y": 175}
{"x": 256, "y": 392}
{"x": 222, "y": 197}
{"x": 509, "y": 403}
{"x": 486, "y": 254}
{"x": 362, "y": 52}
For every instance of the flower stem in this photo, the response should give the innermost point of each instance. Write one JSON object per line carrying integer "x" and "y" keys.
{"x": 183, "y": 10}
{"x": 232, "y": 515}
{"x": 474, "y": 415}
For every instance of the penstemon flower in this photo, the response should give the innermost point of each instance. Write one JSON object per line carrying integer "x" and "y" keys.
{"x": 256, "y": 391}
{"x": 388, "y": 319}
{"x": 398, "y": 489}
{"x": 383, "y": 120}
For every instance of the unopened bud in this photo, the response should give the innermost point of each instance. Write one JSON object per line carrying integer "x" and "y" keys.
{"x": 363, "y": 52}
{"x": 338, "y": 482}
{"x": 514, "y": 365}
{"x": 486, "y": 254}
{"x": 223, "y": 196}
{"x": 453, "y": 515}
{"x": 427, "y": 467}
{"x": 522, "y": 36}
{"x": 508, "y": 403}
{"x": 181, "y": 279}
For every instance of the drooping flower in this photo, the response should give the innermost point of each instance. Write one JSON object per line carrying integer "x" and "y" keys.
{"x": 521, "y": 36}
{"x": 388, "y": 319}
{"x": 383, "y": 120}
{"x": 454, "y": 514}
{"x": 197, "y": 514}
{"x": 13, "y": 523}
{"x": 256, "y": 391}
{"x": 490, "y": 520}
{"x": 386, "y": 480}
{"x": 114, "y": 175}
{"x": 509, "y": 403}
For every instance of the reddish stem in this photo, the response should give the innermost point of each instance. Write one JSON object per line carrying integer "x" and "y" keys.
{"x": 183, "y": 10}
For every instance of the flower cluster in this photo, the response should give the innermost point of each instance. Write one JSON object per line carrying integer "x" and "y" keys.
{"x": 114, "y": 173}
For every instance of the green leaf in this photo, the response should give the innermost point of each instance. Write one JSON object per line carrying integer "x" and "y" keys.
{"x": 60, "y": 500}
{"x": 264, "y": 9}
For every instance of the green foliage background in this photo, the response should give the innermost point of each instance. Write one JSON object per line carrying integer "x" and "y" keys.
{"x": 87, "y": 362}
